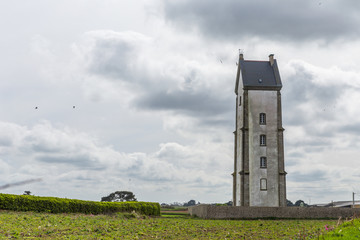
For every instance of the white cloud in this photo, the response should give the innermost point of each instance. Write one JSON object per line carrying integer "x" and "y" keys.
{"x": 321, "y": 138}
{"x": 76, "y": 162}
{"x": 153, "y": 74}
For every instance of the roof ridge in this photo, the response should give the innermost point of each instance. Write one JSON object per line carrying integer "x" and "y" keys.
{"x": 254, "y": 61}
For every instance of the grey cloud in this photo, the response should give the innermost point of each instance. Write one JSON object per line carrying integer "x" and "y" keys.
{"x": 301, "y": 89}
{"x": 296, "y": 155}
{"x": 110, "y": 58}
{"x": 150, "y": 170}
{"x": 48, "y": 140}
{"x": 290, "y": 19}
{"x": 6, "y": 141}
{"x": 210, "y": 186}
{"x": 351, "y": 128}
{"x": 114, "y": 54}
{"x": 200, "y": 103}
{"x": 154, "y": 173}
{"x": 172, "y": 150}
{"x": 323, "y": 194}
{"x": 118, "y": 57}
{"x": 81, "y": 161}
{"x": 307, "y": 177}
{"x": 322, "y": 135}
{"x": 83, "y": 178}
{"x": 45, "y": 148}
{"x": 297, "y": 85}
{"x": 311, "y": 103}
{"x": 227, "y": 121}
{"x": 311, "y": 144}
{"x": 290, "y": 162}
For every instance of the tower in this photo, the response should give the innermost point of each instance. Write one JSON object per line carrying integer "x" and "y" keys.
{"x": 259, "y": 172}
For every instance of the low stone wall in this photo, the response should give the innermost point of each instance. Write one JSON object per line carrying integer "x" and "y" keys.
{"x": 228, "y": 212}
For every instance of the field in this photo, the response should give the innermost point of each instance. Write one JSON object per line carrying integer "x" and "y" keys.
{"x": 169, "y": 226}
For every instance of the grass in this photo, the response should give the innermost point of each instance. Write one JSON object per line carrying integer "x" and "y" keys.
{"x": 172, "y": 209}
{"x": 22, "y": 225}
{"x": 347, "y": 230}
{"x": 175, "y": 215}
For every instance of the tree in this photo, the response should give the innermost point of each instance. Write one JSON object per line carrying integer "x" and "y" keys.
{"x": 300, "y": 203}
{"x": 27, "y": 193}
{"x": 119, "y": 196}
{"x": 190, "y": 203}
{"x": 289, "y": 203}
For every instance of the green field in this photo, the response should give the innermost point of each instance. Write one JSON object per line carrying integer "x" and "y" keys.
{"x": 27, "y": 225}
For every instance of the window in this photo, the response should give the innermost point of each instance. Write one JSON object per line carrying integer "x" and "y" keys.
{"x": 239, "y": 100}
{"x": 263, "y": 184}
{"x": 263, "y": 162}
{"x": 262, "y": 140}
{"x": 262, "y": 119}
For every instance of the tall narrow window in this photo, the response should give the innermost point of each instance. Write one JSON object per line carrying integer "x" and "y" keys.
{"x": 239, "y": 100}
{"x": 262, "y": 119}
{"x": 263, "y": 162}
{"x": 263, "y": 184}
{"x": 262, "y": 140}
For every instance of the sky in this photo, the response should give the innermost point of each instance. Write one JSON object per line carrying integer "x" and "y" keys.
{"x": 101, "y": 96}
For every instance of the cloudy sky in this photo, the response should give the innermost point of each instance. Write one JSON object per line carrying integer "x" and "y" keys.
{"x": 139, "y": 95}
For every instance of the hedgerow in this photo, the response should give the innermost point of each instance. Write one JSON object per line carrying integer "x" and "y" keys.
{"x": 64, "y": 205}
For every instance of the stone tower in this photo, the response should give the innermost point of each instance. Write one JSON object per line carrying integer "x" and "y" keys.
{"x": 259, "y": 173}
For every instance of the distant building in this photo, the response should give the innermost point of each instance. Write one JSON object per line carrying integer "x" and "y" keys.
{"x": 259, "y": 177}
{"x": 339, "y": 204}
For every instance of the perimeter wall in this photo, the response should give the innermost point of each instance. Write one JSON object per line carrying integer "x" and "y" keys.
{"x": 229, "y": 212}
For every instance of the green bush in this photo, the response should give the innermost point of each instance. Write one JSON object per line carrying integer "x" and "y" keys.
{"x": 63, "y": 205}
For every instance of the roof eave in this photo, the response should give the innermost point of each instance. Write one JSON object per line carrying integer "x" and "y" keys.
{"x": 276, "y": 73}
{"x": 266, "y": 88}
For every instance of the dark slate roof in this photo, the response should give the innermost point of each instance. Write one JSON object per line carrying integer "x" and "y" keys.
{"x": 260, "y": 75}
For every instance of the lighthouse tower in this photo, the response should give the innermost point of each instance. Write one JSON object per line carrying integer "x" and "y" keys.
{"x": 259, "y": 177}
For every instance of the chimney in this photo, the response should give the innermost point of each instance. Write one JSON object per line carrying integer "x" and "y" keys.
{"x": 241, "y": 56}
{"x": 271, "y": 59}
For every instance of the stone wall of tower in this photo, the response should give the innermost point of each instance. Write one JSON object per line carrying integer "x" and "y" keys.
{"x": 263, "y": 102}
{"x": 281, "y": 157}
{"x": 240, "y": 132}
{"x": 247, "y": 150}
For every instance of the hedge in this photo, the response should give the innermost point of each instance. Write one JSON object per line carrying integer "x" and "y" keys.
{"x": 64, "y": 205}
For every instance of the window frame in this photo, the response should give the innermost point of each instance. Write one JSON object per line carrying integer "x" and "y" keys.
{"x": 263, "y": 162}
{"x": 262, "y": 118}
{"x": 263, "y": 181}
{"x": 262, "y": 140}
